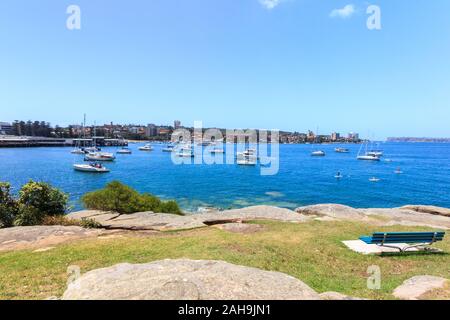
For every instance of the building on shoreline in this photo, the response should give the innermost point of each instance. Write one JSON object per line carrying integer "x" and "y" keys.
{"x": 6, "y": 128}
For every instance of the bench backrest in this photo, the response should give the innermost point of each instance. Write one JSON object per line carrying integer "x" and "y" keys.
{"x": 407, "y": 237}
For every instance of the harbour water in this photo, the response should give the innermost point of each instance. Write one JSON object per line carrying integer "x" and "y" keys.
{"x": 302, "y": 179}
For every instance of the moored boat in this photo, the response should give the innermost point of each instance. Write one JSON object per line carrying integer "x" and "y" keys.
{"x": 92, "y": 167}
{"x": 99, "y": 156}
{"x": 318, "y": 153}
{"x": 147, "y": 147}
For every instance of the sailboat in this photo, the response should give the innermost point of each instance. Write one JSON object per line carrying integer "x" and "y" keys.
{"x": 367, "y": 156}
{"x": 78, "y": 149}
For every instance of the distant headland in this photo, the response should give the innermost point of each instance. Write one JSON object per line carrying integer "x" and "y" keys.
{"x": 415, "y": 139}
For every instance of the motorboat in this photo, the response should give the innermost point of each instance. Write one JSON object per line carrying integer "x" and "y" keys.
{"x": 342, "y": 150}
{"x": 99, "y": 156}
{"x": 124, "y": 150}
{"x": 398, "y": 171}
{"x": 92, "y": 167}
{"x": 91, "y": 149}
{"x": 147, "y": 147}
{"x": 318, "y": 153}
{"x": 368, "y": 158}
{"x": 338, "y": 175}
{"x": 374, "y": 179}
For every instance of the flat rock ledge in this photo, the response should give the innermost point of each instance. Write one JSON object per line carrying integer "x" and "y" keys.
{"x": 425, "y": 216}
{"x": 187, "y": 280}
{"x": 415, "y": 287}
{"x": 165, "y": 222}
{"x": 42, "y": 236}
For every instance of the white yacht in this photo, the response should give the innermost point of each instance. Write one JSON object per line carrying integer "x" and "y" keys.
{"x": 246, "y": 161}
{"x": 318, "y": 153}
{"x": 342, "y": 150}
{"x": 78, "y": 151}
{"x": 147, "y": 147}
{"x": 95, "y": 168}
{"x": 368, "y": 158}
{"x": 124, "y": 150}
{"x": 186, "y": 154}
{"x": 374, "y": 179}
{"x": 99, "y": 156}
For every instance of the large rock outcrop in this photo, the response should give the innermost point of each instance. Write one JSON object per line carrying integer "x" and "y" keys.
{"x": 164, "y": 222}
{"x": 415, "y": 287}
{"x": 408, "y": 216}
{"x": 42, "y": 236}
{"x": 187, "y": 280}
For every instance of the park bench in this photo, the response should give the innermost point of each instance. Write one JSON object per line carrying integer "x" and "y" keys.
{"x": 417, "y": 240}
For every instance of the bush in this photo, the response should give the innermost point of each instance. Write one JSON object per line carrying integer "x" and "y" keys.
{"x": 65, "y": 221}
{"x": 43, "y": 197}
{"x": 8, "y": 206}
{"x": 37, "y": 200}
{"x": 28, "y": 216}
{"x": 122, "y": 199}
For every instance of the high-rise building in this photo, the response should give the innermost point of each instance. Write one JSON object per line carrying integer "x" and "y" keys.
{"x": 5, "y": 128}
{"x": 335, "y": 136}
{"x": 151, "y": 130}
{"x": 353, "y": 136}
{"x": 177, "y": 124}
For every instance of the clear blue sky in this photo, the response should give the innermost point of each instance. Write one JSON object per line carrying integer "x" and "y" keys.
{"x": 230, "y": 63}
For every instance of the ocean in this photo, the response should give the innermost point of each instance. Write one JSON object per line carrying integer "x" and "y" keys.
{"x": 301, "y": 180}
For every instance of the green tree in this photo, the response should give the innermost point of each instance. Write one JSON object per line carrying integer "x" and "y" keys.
{"x": 122, "y": 199}
{"x": 47, "y": 199}
{"x": 8, "y": 206}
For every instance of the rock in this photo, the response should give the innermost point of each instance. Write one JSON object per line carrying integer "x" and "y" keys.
{"x": 187, "y": 280}
{"x": 241, "y": 227}
{"x": 383, "y": 217}
{"x": 164, "y": 222}
{"x": 337, "y": 296}
{"x": 41, "y": 236}
{"x": 332, "y": 210}
{"x": 429, "y": 209}
{"x": 414, "y": 287}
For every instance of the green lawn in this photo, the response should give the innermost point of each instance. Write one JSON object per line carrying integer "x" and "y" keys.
{"x": 311, "y": 251}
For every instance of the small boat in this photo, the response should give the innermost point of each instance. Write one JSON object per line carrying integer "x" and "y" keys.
{"x": 318, "y": 153}
{"x": 374, "y": 179}
{"x": 92, "y": 149}
{"x": 124, "y": 150}
{"x": 246, "y": 161}
{"x": 99, "y": 156}
{"x": 338, "y": 175}
{"x": 147, "y": 147}
{"x": 78, "y": 151}
{"x": 186, "y": 154}
{"x": 92, "y": 167}
{"x": 169, "y": 148}
{"x": 398, "y": 171}
{"x": 342, "y": 150}
{"x": 368, "y": 158}
{"x": 216, "y": 150}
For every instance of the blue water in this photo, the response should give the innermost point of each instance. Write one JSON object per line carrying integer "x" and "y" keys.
{"x": 302, "y": 179}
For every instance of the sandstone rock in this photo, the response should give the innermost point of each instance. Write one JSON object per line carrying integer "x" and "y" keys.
{"x": 41, "y": 236}
{"x": 187, "y": 280}
{"x": 429, "y": 209}
{"x": 163, "y": 221}
{"x": 382, "y": 217}
{"x": 414, "y": 287}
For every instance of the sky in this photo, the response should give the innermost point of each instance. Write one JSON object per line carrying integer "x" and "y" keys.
{"x": 276, "y": 64}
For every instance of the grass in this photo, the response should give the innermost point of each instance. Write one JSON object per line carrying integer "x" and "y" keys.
{"x": 311, "y": 252}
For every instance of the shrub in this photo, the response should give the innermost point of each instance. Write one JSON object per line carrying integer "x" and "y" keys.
{"x": 28, "y": 216}
{"x": 43, "y": 197}
{"x": 89, "y": 224}
{"x": 65, "y": 221}
{"x": 8, "y": 206}
{"x": 122, "y": 199}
